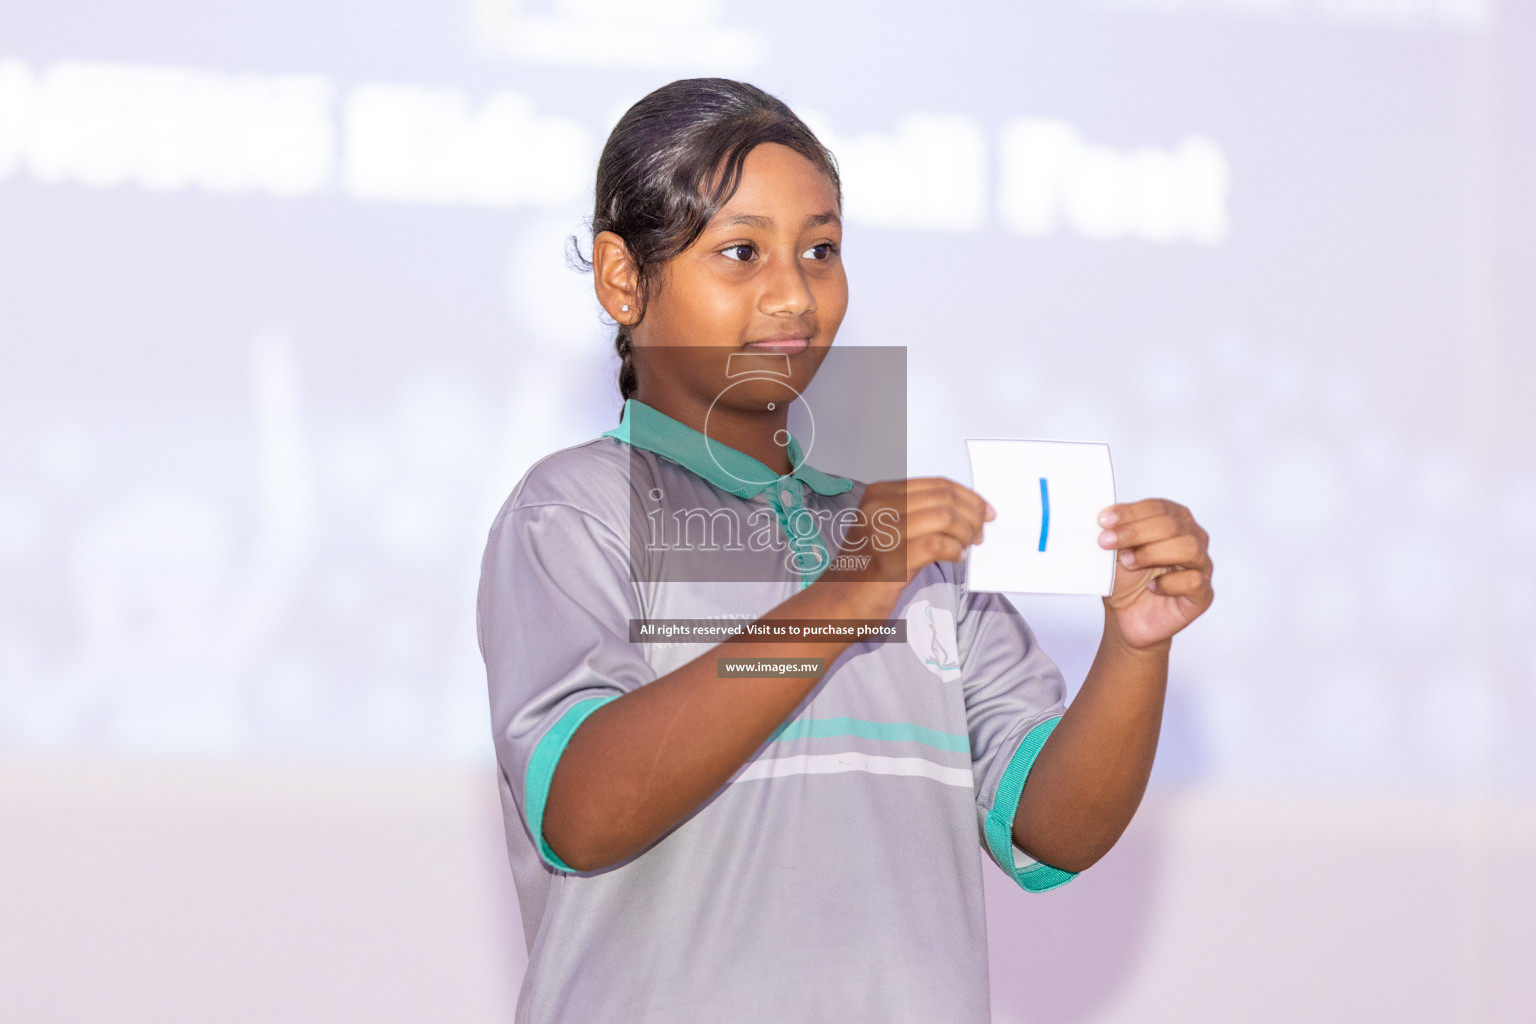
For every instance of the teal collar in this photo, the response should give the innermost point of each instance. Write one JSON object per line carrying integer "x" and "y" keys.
{"x": 725, "y": 467}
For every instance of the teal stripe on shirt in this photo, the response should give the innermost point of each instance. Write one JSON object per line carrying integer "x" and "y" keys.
{"x": 899, "y": 732}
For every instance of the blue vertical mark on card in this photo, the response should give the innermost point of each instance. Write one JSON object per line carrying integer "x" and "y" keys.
{"x": 1045, "y": 513}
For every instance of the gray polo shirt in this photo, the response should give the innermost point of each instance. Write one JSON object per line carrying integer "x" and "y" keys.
{"x": 837, "y": 877}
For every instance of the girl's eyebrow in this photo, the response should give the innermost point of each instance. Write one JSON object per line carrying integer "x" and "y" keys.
{"x": 757, "y": 220}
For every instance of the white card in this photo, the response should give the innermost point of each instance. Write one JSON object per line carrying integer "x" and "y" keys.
{"x": 1048, "y": 496}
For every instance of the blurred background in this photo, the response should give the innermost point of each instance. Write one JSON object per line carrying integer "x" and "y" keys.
{"x": 285, "y": 315}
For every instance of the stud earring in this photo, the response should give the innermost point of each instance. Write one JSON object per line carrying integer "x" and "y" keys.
{"x": 623, "y": 309}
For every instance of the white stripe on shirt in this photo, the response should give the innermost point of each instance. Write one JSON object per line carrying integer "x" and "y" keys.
{"x": 852, "y": 761}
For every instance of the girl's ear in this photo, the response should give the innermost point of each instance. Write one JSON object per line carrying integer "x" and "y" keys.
{"x": 616, "y": 277}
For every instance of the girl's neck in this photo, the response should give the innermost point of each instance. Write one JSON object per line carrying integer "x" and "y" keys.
{"x": 751, "y": 433}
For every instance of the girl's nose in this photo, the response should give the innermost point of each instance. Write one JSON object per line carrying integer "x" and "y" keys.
{"x": 786, "y": 291}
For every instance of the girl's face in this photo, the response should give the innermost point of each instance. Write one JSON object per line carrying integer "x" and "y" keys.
{"x": 765, "y": 276}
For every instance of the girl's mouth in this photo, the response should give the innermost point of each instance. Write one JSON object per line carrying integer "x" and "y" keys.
{"x": 789, "y": 345}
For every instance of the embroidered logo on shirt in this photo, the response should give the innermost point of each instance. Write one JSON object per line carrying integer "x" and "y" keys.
{"x": 931, "y": 635}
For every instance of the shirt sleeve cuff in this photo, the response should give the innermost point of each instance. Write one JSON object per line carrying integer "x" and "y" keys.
{"x": 1031, "y": 875}
{"x": 541, "y": 772}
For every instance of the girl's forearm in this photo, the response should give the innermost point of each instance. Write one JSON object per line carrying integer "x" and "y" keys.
{"x": 644, "y": 762}
{"x": 1092, "y": 772}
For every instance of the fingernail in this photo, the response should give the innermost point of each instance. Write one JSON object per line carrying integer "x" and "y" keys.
{"x": 991, "y": 512}
{"x": 1107, "y": 539}
{"x": 1127, "y": 559}
{"x": 1107, "y": 518}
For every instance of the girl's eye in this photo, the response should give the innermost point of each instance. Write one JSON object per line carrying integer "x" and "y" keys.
{"x": 821, "y": 252}
{"x": 742, "y": 252}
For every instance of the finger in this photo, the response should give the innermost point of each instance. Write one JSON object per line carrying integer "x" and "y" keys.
{"x": 943, "y": 485}
{"x": 935, "y": 547}
{"x": 944, "y": 519}
{"x": 938, "y": 489}
{"x": 1182, "y": 583}
{"x": 908, "y": 495}
{"x": 1181, "y": 550}
{"x": 1143, "y": 531}
{"x": 980, "y": 506}
{"x": 1129, "y": 512}
{"x": 927, "y": 485}
{"x": 946, "y": 494}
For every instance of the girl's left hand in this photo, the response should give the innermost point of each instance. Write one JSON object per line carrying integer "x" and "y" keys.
{"x": 1162, "y": 572}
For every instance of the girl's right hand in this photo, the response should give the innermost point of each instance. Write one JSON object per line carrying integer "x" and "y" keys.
{"x": 905, "y": 525}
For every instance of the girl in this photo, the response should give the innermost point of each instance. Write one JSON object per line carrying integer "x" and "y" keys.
{"x": 691, "y": 844}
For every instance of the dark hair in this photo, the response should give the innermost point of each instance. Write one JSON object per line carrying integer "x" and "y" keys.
{"x": 673, "y": 160}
